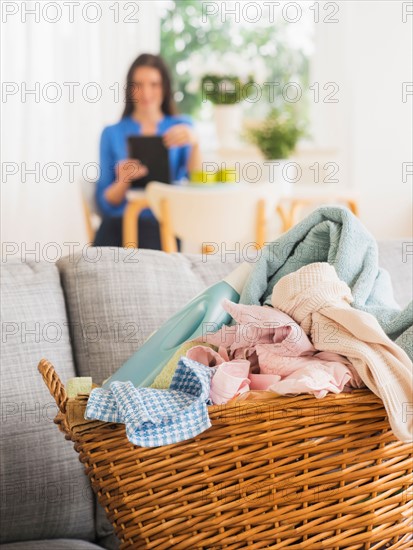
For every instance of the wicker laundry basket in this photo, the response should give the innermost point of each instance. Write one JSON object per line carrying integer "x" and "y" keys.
{"x": 290, "y": 472}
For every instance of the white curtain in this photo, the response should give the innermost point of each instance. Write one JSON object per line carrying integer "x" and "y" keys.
{"x": 74, "y": 57}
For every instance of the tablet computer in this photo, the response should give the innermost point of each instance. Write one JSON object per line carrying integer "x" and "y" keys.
{"x": 150, "y": 151}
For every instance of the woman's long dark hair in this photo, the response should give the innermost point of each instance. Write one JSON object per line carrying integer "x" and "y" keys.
{"x": 148, "y": 60}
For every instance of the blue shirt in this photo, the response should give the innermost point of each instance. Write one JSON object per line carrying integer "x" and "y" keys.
{"x": 113, "y": 148}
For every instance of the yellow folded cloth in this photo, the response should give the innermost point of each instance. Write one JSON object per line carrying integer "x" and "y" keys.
{"x": 164, "y": 378}
{"x": 80, "y": 384}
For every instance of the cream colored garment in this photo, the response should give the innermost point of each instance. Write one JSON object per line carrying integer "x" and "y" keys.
{"x": 317, "y": 300}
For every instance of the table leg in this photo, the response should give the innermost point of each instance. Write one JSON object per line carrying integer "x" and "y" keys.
{"x": 296, "y": 206}
{"x": 89, "y": 228}
{"x": 207, "y": 249}
{"x": 130, "y": 222}
{"x": 285, "y": 217}
{"x": 353, "y": 206}
{"x": 261, "y": 225}
{"x": 168, "y": 240}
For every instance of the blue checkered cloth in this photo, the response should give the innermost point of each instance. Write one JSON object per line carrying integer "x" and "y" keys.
{"x": 155, "y": 417}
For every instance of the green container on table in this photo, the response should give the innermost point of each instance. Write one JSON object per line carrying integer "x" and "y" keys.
{"x": 203, "y": 178}
{"x": 229, "y": 175}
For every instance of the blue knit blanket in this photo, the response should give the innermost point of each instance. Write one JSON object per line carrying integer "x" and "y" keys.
{"x": 334, "y": 235}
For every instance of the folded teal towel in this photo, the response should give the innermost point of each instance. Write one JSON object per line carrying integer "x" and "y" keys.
{"x": 333, "y": 234}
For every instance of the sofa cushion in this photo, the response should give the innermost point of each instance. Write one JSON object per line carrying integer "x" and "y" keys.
{"x": 52, "y": 544}
{"x": 104, "y": 530}
{"x": 115, "y": 303}
{"x": 45, "y": 492}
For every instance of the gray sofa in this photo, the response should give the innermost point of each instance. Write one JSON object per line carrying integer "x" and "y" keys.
{"x": 86, "y": 314}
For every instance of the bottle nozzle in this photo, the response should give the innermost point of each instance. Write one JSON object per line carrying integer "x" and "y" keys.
{"x": 239, "y": 276}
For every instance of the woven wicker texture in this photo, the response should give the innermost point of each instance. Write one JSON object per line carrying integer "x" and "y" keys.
{"x": 292, "y": 472}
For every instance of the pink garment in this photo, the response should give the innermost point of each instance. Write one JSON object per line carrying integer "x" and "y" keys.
{"x": 230, "y": 378}
{"x": 281, "y": 356}
{"x": 263, "y": 381}
{"x": 207, "y": 356}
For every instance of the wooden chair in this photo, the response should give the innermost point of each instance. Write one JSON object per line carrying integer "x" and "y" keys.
{"x": 210, "y": 216}
{"x": 289, "y": 208}
{"x": 88, "y": 221}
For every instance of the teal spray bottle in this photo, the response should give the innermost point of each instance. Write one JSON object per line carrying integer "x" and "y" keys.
{"x": 204, "y": 312}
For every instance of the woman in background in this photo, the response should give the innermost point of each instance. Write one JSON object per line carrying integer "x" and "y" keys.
{"x": 149, "y": 111}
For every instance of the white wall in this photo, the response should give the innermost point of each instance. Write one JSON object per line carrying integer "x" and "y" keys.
{"x": 382, "y": 131}
{"x": 36, "y": 129}
{"x": 369, "y": 54}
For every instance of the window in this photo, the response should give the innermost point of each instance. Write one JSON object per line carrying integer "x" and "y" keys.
{"x": 280, "y": 42}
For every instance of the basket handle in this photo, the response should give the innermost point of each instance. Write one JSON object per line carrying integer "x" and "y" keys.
{"x": 52, "y": 381}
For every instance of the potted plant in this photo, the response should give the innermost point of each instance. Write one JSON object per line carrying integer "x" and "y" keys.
{"x": 226, "y": 81}
{"x": 277, "y": 136}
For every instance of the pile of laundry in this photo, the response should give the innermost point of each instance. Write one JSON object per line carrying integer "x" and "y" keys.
{"x": 268, "y": 350}
{"x": 323, "y": 327}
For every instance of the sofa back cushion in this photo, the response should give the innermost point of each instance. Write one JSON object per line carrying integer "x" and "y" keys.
{"x": 45, "y": 493}
{"x": 116, "y": 301}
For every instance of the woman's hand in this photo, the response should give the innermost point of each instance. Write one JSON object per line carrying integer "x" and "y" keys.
{"x": 130, "y": 169}
{"x": 126, "y": 171}
{"x": 179, "y": 135}
{"x": 182, "y": 134}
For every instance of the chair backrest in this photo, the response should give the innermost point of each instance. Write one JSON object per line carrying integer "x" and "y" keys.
{"x": 224, "y": 213}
